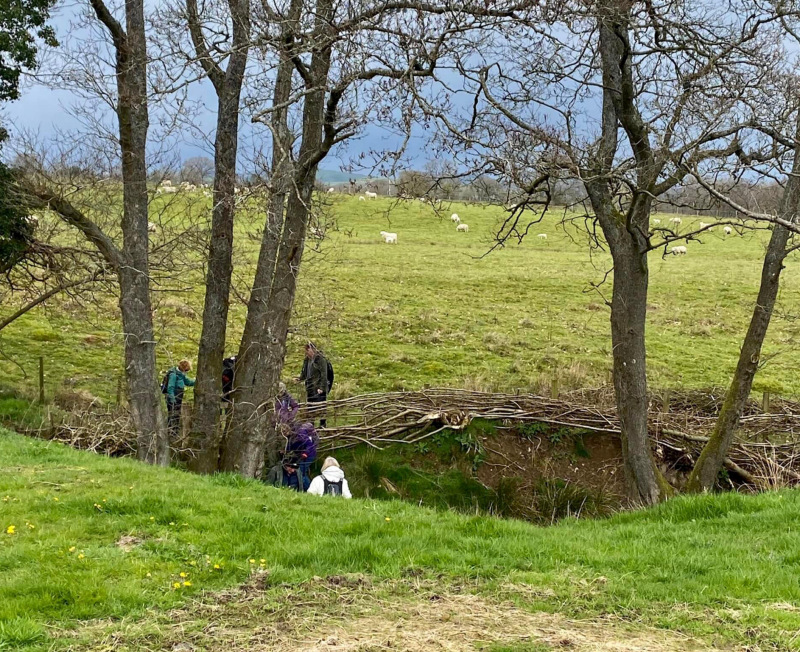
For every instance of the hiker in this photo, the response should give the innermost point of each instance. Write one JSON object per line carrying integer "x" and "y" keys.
{"x": 317, "y": 374}
{"x": 173, "y": 385}
{"x": 302, "y": 447}
{"x": 285, "y": 409}
{"x": 227, "y": 378}
{"x": 284, "y": 474}
{"x": 331, "y": 481}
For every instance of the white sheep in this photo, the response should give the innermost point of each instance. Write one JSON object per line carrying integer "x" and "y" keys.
{"x": 463, "y": 227}
{"x": 371, "y": 195}
{"x": 389, "y": 238}
{"x": 703, "y": 225}
{"x": 330, "y": 190}
{"x": 542, "y": 236}
{"x": 33, "y": 220}
{"x": 728, "y": 230}
{"x": 676, "y": 220}
{"x": 151, "y": 227}
{"x": 656, "y": 221}
{"x": 455, "y": 218}
{"x": 361, "y": 198}
{"x": 168, "y": 190}
{"x": 678, "y": 251}
{"x": 166, "y": 183}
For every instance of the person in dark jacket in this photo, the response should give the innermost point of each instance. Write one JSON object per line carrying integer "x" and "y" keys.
{"x": 176, "y": 386}
{"x": 284, "y": 475}
{"x": 315, "y": 376}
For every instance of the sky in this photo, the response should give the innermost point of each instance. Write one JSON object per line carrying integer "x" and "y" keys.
{"x": 45, "y": 112}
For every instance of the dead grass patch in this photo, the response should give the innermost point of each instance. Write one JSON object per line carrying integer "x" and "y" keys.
{"x": 352, "y": 614}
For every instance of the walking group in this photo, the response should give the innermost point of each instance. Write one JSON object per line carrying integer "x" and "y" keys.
{"x": 301, "y": 439}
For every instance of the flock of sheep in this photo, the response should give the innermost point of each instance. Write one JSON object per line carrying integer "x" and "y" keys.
{"x": 681, "y": 250}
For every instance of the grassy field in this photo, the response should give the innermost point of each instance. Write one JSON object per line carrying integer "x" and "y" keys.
{"x": 432, "y": 311}
{"x": 96, "y": 550}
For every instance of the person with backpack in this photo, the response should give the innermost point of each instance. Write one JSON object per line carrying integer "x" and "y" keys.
{"x": 331, "y": 481}
{"x": 317, "y": 374}
{"x": 285, "y": 409}
{"x": 173, "y": 386}
{"x": 302, "y": 447}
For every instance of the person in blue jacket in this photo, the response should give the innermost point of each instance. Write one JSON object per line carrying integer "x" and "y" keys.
{"x": 177, "y": 383}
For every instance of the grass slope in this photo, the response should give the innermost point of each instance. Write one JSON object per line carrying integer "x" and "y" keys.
{"x": 723, "y": 567}
{"x": 432, "y": 311}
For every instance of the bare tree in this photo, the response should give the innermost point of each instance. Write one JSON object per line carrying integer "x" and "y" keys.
{"x": 344, "y": 51}
{"x": 625, "y": 97}
{"x": 221, "y": 59}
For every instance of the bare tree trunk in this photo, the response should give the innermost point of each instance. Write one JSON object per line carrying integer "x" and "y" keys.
{"x": 134, "y": 274}
{"x": 705, "y": 473}
{"x": 628, "y": 315}
{"x": 252, "y": 428}
{"x": 205, "y": 434}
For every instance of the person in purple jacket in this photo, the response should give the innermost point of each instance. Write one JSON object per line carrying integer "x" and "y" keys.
{"x": 302, "y": 447}
{"x": 285, "y": 408}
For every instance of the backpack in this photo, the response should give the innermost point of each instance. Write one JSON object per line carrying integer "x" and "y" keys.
{"x": 227, "y": 374}
{"x": 332, "y": 488}
{"x": 165, "y": 381}
{"x": 330, "y": 374}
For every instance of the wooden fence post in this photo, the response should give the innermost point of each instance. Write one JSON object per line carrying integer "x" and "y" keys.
{"x": 41, "y": 379}
{"x": 765, "y": 405}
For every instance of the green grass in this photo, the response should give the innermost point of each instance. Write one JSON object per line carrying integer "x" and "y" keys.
{"x": 687, "y": 565}
{"x": 432, "y": 311}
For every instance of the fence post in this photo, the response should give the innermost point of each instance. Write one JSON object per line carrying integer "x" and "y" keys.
{"x": 765, "y": 405}
{"x": 666, "y": 402}
{"x": 41, "y": 379}
{"x": 119, "y": 391}
{"x": 554, "y": 387}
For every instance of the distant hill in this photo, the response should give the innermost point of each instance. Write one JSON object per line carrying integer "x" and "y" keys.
{"x": 336, "y": 176}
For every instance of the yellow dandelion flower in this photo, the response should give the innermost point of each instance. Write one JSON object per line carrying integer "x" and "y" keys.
{"x": 55, "y": 498}
{"x": 81, "y": 556}
{"x": 148, "y": 575}
{"x": 152, "y": 518}
{"x": 388, "y": 519}
{"x": 104, "y": 500}
{"x": 217, "y": 566}
{"x": 263, "y": 561}
{"x": 11, "y": 529}
{"x": 177, "y": 585}
{"x": 183, "y": 574}
{"x": 252, "y": 561}
{"x": 72, "y": 549}
{"x": 187, "y": 583}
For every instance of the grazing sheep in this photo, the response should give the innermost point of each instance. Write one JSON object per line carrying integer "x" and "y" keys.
{"x": 361, "y": 198}
{"x": 463, "y": 227}
{"x": 168, "y": 190}
{"x": 455, "y": 218}
{"x": 703, "y": 225}
{"x": 656, "y": 221}
{"x": 330, "y": 190}
{"x": 151, "y": 227}
{"x": 676, "y": 220}
{"x": 33, "y": 220}
{"x": 371, "y": 195}
{"x": 542, "y": 236}
{"x": 389, "y": 238}
{"x": 678, "y": 251}
{"x": 166, "y": 183}
{"x": 728, "y": 230}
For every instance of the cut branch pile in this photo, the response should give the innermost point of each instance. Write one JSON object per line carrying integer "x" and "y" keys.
{"x": 379, "y": 420}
